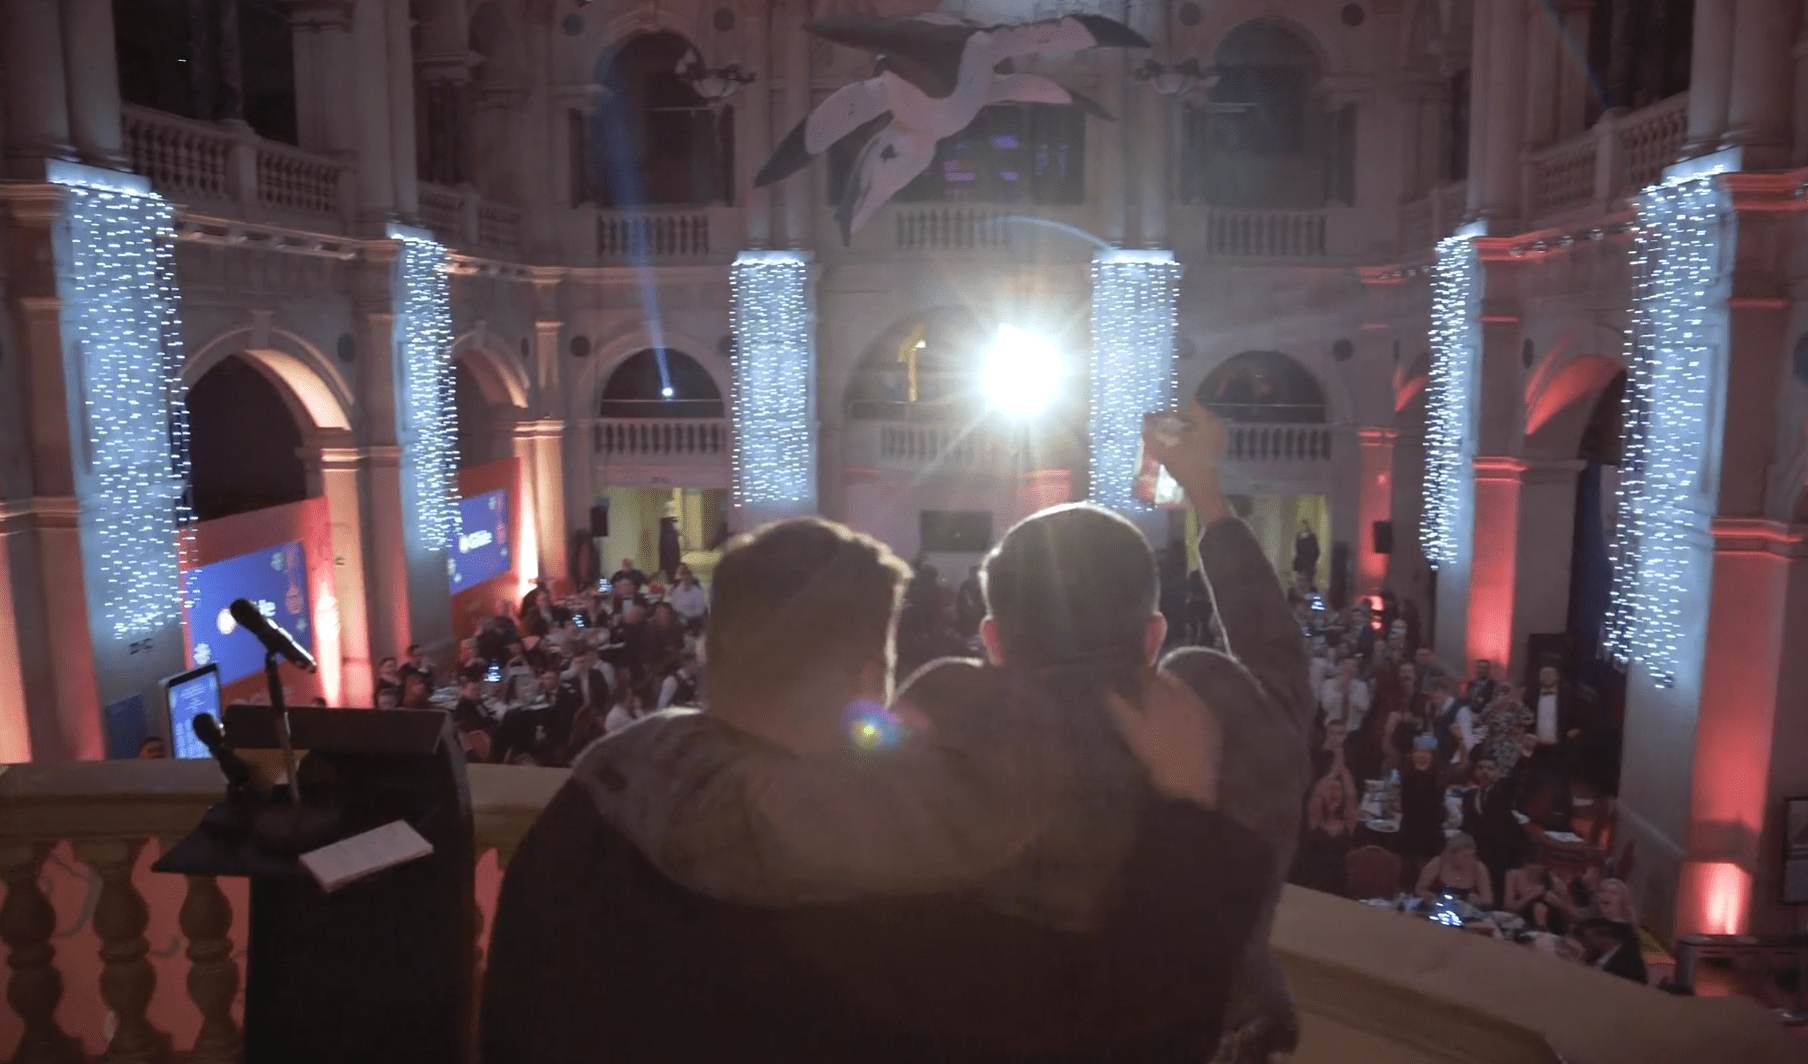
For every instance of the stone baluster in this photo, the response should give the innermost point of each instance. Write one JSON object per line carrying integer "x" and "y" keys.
{"x": 213, "y": 977}
{"x": 35, "y": 988}
{"x": 126, "y": 978}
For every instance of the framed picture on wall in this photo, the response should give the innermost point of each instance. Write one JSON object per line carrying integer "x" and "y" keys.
{"x": 1795, "y": 851}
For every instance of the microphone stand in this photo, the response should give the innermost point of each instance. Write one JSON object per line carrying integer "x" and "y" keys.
{"x": 274, "y": 680}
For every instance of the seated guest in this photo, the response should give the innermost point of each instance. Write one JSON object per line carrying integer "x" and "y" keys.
{"x": 1539, "y": 898}
{"x": 801, "y": 633}
{"x": 627, "y": 706}
{"x": 415, "y": 663}
{"x": 543, "y": 616}
{"x": 415, "y": 693}
{"x": 387, "y": 697}
{"x": 1457, "y": 873}
{"x": 629, "y": 576}
{"x": 1607, "y": 945}
{"x": 473, "y": 723}
{"x": 152, "y": 749}
{"x": 681, "y": 686}
{"x": 688, "y": 599}
{"x": 590, "y": 677}
{"x": 389, "y": 676}
{"x": 664, "y": 643}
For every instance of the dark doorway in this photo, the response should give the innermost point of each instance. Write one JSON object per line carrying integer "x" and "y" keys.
{"x": 243, "y": 442}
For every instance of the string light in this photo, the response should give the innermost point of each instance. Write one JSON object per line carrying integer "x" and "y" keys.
{"x": 1676, "y": 260}
{"x": 774, "y": 370}
{"x": 1134, "y": 295}
{"x": 120, "y": 304}
{"x": 428, "y": 424}
{"x": 1449, "y": 398}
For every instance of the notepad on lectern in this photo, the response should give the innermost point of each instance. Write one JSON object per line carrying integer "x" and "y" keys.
{"x": 350, "y": 860}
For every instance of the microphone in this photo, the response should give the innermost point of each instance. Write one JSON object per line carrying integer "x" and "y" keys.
{"x": 275, "y": 639}
{"x": 238, "y": 774}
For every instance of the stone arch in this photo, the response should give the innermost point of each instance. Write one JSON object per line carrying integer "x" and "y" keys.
{"x": 1329, "y": 58}
{"x": 880, "y": 376}
{"x": 1266, "y": 386}
{"x": 651, "y": 139}
{"x": 501, "y": 377}
{"x": 661, "y": 383}
{"x": 609, "y": 357}
{"x": 316, "y": 394}
{"x": 1560, "y": 397}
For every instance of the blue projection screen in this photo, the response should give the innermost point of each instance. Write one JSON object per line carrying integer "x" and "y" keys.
{"x": 276, "y": 579}
{"x": 481, "y": 551}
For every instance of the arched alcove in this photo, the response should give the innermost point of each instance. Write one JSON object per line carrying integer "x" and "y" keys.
{"x": 1267, "y": 137}
{"x": 662, "y": 383}
{"x": 651, "y": 140}
{"x": 173, "y": 56}
{"x": 243, "y": 442}
{"x": 1264, "y": 386}
{"x": 475, "y": 418}
{"x": 924, "y": 368}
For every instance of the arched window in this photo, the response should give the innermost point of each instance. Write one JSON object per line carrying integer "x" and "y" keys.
{"x": 1264, "y": 386}
{"x": 660, "y": 382}
{"x": 1011, "y": 153}
{"x": 1639, "y": 53}
{"x": 651, "y": 139}
{"x": 242, "y": 442}
{"x": 925, "y": 368}
{"x": 1266, "y": 138}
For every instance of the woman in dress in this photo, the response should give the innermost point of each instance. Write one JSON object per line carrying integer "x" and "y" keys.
{"x": 1421, "y": 807}
{"x": 1406, "y": 717}
{"x": 1539, "y": 898}
{"x": 1456, "y": 872}
{"x": 1330, "y": 824}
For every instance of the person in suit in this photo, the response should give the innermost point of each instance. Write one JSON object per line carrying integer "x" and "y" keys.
{"x": 1305, "y": 557}
{"x": 1554, "y": 721}
{"x": 1488, "y": 818}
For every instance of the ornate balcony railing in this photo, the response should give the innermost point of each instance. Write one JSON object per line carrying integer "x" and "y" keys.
{"x": 1623, "y": 153}
{"x": 1279, "y": 443}
{"x": 106, "y": 957}
{"x": 652, "y": 236}
{"x": 1264, "y": 234}
{"x": 946, "y": 227}
{"x": 226, "y": 167}
{"x": 662, "y": 440}
{"x": 463, "y": 218}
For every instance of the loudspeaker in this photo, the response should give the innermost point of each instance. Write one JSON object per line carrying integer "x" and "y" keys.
{"x": 1384, "y": 537}
{"x": 1340, "y": 575}
{"x": 599, "y": 520}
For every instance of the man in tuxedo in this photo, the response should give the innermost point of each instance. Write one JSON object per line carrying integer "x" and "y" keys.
{"x": 1554, "y": 722}
{"x": 1482, "y": 689}
{"x": 1488, "y": 819}
{"x": 590, "y": 679}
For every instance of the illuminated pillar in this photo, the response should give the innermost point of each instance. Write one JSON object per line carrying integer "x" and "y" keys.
{"x": 337, "y": 471}
{"x": 1710, "y": 75}
{"x": 1446, "y": 520}
{"x": 1494, "y": 560}
{"x": 92, "y": 66}
{"x": 774, "y": 391}
{"x": 1758, "y": 118}
{"x": 1736, "y": 730}
{"x": 1131, "y": 372}
{"x": 539, "y": 445}
{"x": 1505, "y": 128}
{"x": 1375, "y": 504}
{"x": 426, "y": 427}
{"x": 753, "y": 123}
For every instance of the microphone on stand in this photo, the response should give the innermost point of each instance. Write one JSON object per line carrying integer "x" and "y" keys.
{"x": 238, "y": 774}
{"x": 275, "y": 638}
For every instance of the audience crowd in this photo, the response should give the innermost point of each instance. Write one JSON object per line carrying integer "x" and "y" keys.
{"x": 543, "y": 678}
{"x": 1456, "y": 789}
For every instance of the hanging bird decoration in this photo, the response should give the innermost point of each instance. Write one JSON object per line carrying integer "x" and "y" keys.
{"x": 934, "y": 74}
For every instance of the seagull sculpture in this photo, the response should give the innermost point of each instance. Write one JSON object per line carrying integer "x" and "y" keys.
{"x": 934, "y": 75}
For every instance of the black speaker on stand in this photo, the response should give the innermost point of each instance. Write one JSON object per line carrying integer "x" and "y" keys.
{"x": 1384, "y": 537}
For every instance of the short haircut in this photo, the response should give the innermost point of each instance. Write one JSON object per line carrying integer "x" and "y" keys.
{"x": 798, "y": 609}
{"x": 1438, "y": 683}
{"x": 1072, "y": 584}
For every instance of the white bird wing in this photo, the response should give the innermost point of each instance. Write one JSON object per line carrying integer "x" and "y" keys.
{"x": 891, "y": 160}
{"x": 1057, "y": 37}
{"x": 846, "y": 110}
{"x": 1026, "y": 88}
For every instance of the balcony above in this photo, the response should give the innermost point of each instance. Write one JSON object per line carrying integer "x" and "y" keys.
{"x": 655, "y": 452}
{"x": 226, "y": 169}
{"x": 463, "y": 219}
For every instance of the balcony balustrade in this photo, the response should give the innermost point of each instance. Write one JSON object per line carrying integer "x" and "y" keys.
{"x": 667, "y": 235}
{"x": 659, "y": 441}
{"x": 226, "y": 168}
{"x": 105, "y": 956}
{"x": 463, "y": 219}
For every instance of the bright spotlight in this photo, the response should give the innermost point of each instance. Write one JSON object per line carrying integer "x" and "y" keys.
{"x": 667, "y": 392}
{"x": 1021, "y": 373}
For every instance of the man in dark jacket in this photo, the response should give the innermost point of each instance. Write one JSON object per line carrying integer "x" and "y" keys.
{"x": 597, "y": 956}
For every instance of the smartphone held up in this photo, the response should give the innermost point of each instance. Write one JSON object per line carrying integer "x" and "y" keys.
{"x": 1153, "y": 483}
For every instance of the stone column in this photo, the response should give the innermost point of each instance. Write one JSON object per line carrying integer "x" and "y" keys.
{"x": 1546, "y": 540}
{"x": 539, "y": 120}
{"x": 1494, "y": 559}
{"x": 1481, "y": 51}
{"x": 753, "y": 123}
{"x": 1106, "y": 147}
{"x": 337, "y": 470}
{"x": 325, "y": 121}
{"x": 1505, "y": 131}
{"x": 1542, "y": 85}
{"x": 368, "y": 75}
{"x": 92, "y": 69}
{"x": 791, "y": 56}
{"x": 1150, "y": 118}
{"x": 547, "y": 439}
{"x": 401, "y": 108}
{"x": 1573, "y": 88}
{"x": 1710, "y": 76}
{"x": 37, "y": 108}
{"x": 1758, "y": 118}
{"x": 1376, "y": 504}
